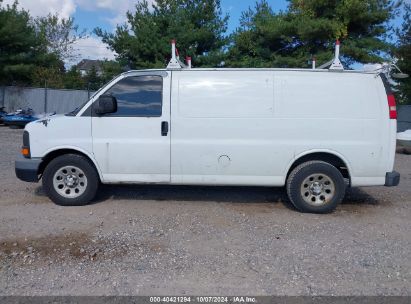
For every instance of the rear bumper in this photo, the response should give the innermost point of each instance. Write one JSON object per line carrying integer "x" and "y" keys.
{"x": 392, "y": 179}
{"x": 27, "y": 169}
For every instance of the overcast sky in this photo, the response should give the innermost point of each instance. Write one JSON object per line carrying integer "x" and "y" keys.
{"x": 89, "y": 14}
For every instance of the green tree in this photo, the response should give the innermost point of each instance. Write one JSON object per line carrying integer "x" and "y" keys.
{"x": 32, "y": 51}
{"x": 73, "y": 80}
{"x": 19, "y": 46}
{"x": 144, "y": 41}
{"x": 309, "y": 28}
{"x": 110, "y": 70}
{"x": 93, "y": 80}
{"x": 51, "y": 77}
{"x": 404, "y": 54}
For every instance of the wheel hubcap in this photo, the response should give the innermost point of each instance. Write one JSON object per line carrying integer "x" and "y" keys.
{"x": 70, "y": 182}
{"x": 318, "y": 189}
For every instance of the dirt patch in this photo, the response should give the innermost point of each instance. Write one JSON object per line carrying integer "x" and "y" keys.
{"x": 79, "y": 246}
{"x": 153, "y": 246}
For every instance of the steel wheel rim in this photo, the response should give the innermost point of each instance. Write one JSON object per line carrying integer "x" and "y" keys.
{"x": 70, "y": 182}
{"x": 318, "y": 189}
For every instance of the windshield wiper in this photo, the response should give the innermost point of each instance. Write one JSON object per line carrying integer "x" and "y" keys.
{"x": 73, "y": 113}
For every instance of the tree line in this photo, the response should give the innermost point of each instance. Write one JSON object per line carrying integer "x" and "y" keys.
{"x": 33, "y": 50}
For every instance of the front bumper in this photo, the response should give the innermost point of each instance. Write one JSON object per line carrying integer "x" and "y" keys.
{"x": 392, "y": 179}
{"x": 27, "y": 169}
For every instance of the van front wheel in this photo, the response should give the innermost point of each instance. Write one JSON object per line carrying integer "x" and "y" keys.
{"x": 316, "y": 187}
{"x": 70, "y": 180}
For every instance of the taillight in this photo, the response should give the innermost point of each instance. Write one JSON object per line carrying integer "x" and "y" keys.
{"x": 392, "y": 106}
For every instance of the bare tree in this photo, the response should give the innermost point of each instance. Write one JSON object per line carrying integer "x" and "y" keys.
{"x": 59, "y": 35}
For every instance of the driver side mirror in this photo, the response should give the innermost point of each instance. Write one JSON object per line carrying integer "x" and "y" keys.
{"x": 106, "y": 104}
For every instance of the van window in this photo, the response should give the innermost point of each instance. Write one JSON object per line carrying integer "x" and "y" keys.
{"x": 138, "y": 96}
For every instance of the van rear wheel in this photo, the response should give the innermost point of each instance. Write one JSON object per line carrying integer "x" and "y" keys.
{"x": 316, "y": 187}
{"x": 70, "y": 180}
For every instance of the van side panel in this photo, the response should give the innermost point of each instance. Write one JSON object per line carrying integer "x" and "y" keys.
{"x": 222, "y": 128}
{"x": 341, "y": 112}
{"x": 248, "y": 127}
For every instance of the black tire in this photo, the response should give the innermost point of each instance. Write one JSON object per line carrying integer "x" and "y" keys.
{"x": 86, "y": 168}
{"x": 300, "y": 190}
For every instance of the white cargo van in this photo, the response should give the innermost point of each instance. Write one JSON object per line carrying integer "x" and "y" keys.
{"x": 313, "y": 131}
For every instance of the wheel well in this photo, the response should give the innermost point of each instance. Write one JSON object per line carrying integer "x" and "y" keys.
{"x": 326, "y": 157}
{"x": 52, "y": 155}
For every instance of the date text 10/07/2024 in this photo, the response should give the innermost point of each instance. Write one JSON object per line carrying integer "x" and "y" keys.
{"x": 235, "y": 299}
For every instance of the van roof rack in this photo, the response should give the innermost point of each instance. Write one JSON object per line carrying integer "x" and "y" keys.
{"x": 175, "y": 62}
{"x": 334, "y": 64}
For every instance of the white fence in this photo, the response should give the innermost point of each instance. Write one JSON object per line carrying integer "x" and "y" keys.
{"x": 42, "y": 100}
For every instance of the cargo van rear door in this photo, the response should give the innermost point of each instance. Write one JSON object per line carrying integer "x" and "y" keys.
{"x": 133, "y": 144}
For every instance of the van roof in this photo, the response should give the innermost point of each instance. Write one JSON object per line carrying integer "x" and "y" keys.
{"x": 253, "y": 69}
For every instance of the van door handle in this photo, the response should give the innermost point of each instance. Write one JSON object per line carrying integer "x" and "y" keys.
{"x": 164, "y": 128}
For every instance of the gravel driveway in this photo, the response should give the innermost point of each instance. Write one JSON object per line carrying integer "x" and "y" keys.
{"x": 162, "y": 240}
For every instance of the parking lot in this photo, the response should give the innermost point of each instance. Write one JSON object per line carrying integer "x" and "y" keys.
{"x": 164, "y": 240}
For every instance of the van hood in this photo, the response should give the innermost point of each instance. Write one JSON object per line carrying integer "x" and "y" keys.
{"x": 59, "y": 132}
{"x": 51, "y": 121}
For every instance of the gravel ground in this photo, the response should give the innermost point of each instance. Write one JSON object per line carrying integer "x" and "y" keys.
{"x": 162, "y": 240}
